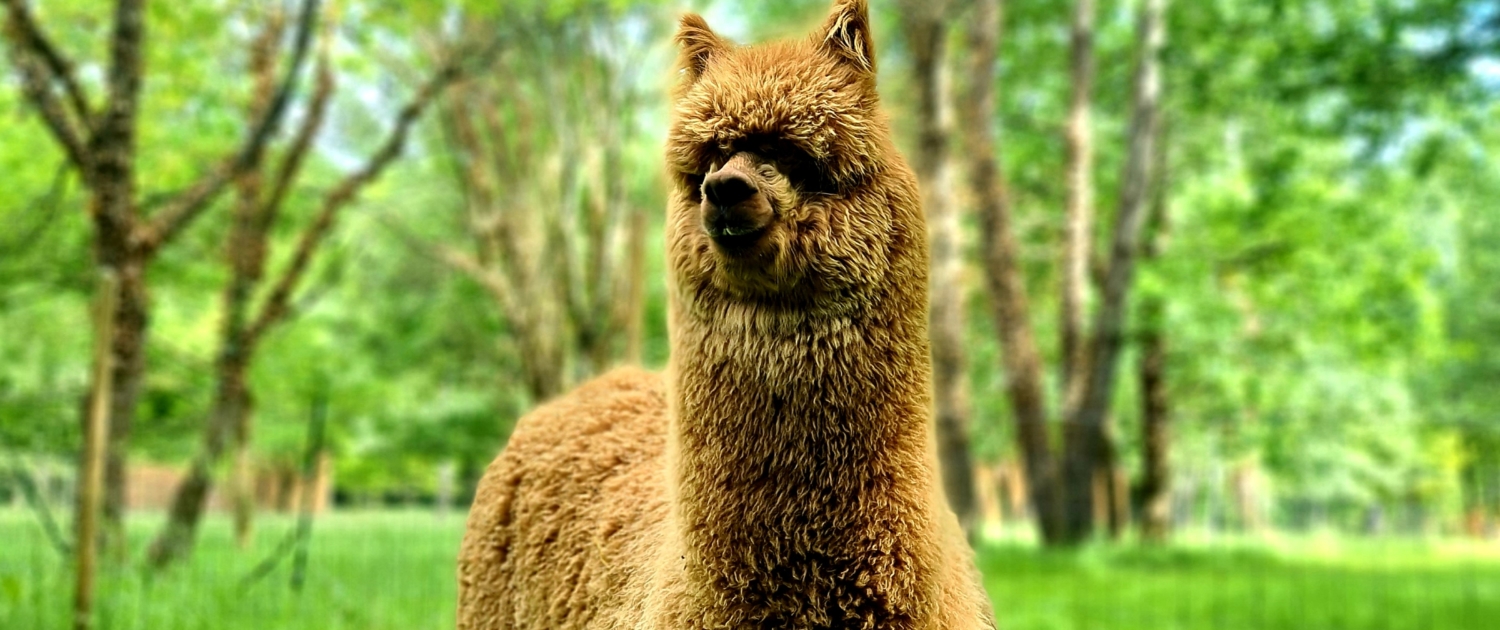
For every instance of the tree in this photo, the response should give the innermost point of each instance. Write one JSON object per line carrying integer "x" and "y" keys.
{"x": 1064, "y": 496}
{"x": 247, "y": 244}
{"x": 100, "y": 145}
{"x": 926, "y": 28}
{"x": 1022, "y": 361}
{"x": 558, "y": 233}
{"x": 1090, "y": 446}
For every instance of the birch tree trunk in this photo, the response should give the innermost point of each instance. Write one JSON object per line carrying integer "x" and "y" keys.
{"x": 1079, "y": 211}
{"x": 926, "y": 26}
{"x": 1089, "y": 447}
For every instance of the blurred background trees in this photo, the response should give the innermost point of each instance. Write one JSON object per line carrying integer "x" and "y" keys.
{"x": 1313, "y": 302}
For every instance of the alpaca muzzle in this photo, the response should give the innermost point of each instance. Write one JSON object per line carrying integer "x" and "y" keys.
{"x": 736, "y": 213}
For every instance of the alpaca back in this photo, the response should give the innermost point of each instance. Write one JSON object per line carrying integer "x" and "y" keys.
{"x": 566, "y": 517}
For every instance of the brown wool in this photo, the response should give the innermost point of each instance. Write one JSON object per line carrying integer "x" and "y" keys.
{"x": 782, "y": 473}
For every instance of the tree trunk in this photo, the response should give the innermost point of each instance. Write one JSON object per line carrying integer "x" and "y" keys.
{"x": 1022, "y": 362}
{"x": 91, "y": 465}
{"x": 561, "y": 252}
{"x": 127, "y": 372}
{"x": 246, "y": 253}
{"x": 926, "y": 27}
{"x": 1089, "y": 442}
{"x": 241, "y": 486}
{"x": 177, "y": 536}
{"x": 509, "y": 238}
{"x": 230, "y": 416}
{"x": 1112, "y": 494}
{"x": 1152, "y": 496}
{"x": 1078, "y": 227}
{"x": 113, "y": 177}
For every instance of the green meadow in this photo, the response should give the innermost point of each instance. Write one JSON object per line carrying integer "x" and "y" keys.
{"x": 394, "y": 570}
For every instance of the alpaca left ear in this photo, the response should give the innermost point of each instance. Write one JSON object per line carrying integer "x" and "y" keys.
{"x": 699, "y": 43}
{"x": 846, "y": 34}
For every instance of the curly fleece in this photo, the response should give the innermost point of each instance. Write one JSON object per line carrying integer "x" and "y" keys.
{"x": 783, "y": 472}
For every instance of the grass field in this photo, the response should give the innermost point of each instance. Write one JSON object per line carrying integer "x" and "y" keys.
{"x": 395, "y": 571}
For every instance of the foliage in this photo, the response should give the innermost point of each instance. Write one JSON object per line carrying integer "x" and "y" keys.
{"x": 1329, "y": 276}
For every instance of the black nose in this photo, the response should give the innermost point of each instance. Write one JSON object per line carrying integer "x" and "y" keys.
{"x": 724, "y": 188}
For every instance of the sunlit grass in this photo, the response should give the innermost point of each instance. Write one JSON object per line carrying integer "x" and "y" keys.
{"x": 395, "y": 570}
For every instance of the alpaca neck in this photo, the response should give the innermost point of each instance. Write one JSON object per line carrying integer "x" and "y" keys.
{"x": 804, "y": 453}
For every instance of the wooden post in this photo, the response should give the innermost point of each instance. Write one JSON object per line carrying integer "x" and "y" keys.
{"x": 91, "y": 473}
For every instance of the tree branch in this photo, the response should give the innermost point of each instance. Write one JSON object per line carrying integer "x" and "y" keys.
{"x": 276, "y": 306}
{"x": 486, "y": 278}
{"x": 39, "y": 506}
{"x": 28, "y": 35}
{"x": 493, "y": 282}
{"x": 34, "y": 84}
{"x": 188, "y": 204}
{"x": 291, "y": 163}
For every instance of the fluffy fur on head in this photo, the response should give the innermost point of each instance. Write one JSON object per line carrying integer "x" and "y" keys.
{"x": 817, "y": 95}
{"x": 783, "y": 474}
{"x": 806, "y": 114}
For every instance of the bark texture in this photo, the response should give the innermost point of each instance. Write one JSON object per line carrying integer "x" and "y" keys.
{"x": 1154, "y": 504}
{"x": 1153, "y": 493}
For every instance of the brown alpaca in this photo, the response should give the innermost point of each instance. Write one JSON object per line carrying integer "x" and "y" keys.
{"x": 783, "y": 473}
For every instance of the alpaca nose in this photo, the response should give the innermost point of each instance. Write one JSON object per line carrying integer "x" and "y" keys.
{"x": 726, "y": 188}
{"x": 735, "y": 213}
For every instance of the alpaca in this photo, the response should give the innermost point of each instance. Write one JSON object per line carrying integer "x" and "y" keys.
{"x": 783, "y": 472}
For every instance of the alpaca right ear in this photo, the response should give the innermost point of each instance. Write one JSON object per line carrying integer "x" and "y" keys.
{"x": 699, "y": 43}
{"x": 846, "y": 34}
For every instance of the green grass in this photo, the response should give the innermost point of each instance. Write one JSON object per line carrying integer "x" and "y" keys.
{"x": 366, "y": 571}
{"x": 395, "y": 570}
{"x": 1304, "y": 584}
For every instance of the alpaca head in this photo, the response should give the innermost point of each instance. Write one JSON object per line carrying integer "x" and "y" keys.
{"x": 785, "y": 189}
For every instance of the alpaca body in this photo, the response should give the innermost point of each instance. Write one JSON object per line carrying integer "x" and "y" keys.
{"x": 610, "y": 557}
{"x": 783, "y": 473}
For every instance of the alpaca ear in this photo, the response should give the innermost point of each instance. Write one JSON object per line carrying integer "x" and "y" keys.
{"x": 699, "y": 43}
{"x": 846, "y": 34}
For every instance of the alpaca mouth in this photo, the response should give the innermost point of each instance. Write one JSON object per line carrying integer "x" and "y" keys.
{"x": 732, "y": 231}
{"x": 738, "y": 228}
{"x": 734, "y": 239}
